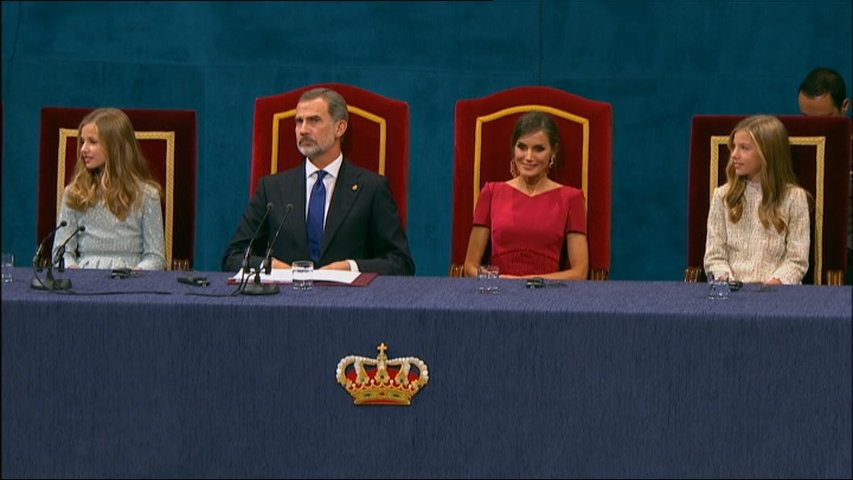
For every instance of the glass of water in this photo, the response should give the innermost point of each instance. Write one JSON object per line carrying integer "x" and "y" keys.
{"x": 8, "y": 265}
{"x": 303, "y": 275}
{"x": 487, "y": 279}
{"x": 718, "y": 286}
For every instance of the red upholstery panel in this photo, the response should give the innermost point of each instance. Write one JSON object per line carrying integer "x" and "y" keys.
{"x": 483, "y": 151}
{"x": 168, "y": 139}
{"x": 377, "y": 136}
{"x": 821, "y": 149}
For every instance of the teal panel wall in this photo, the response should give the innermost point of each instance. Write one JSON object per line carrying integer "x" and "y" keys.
{"x": 658, "y": 63}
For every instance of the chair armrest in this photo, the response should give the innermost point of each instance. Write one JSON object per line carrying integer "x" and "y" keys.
{"x": 834, "y": 277}
{"x": 181, "y": 264}
{"x": 598, "y": 274}
{"x": 694, "y": 274}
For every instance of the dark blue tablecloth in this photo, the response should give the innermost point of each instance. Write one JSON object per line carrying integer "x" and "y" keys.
{"x": 593, "y": 379}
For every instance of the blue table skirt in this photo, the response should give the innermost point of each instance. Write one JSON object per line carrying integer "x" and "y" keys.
{"x": 592, "y": 379}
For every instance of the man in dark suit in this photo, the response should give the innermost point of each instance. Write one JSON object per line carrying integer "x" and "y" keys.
{"x": 824, "y": 94}
{"x": 342, "y": 217}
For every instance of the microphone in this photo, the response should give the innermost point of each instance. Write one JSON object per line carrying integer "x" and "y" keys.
{"x": 36, "y": 263}
{"x": 258, "y": 287}
{"x": 248, "y": 254}
{"x": 59, "y": 255}
{"x": 50, "y": 283}
{"x": 266, "y": 264}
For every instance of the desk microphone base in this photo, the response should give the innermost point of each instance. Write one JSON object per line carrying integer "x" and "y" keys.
{"x": 260, "y": 289}
{"x": 51, "y": 284}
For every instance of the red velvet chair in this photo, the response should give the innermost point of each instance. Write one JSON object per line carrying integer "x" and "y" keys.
{"x": 820, "y": 148}
{"x": 377, "y": 136}
{"x": 482, "y": 152}
{"x": 168, "y": 139}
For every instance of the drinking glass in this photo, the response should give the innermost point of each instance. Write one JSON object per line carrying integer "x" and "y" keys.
{"x": 303, "y": 275}
{"x": 487, "y": 279}
{"x": 718, "y": 287}
{"x": 8, "y": 265}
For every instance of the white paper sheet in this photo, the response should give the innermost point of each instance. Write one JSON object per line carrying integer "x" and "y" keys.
{"x": 285, "y": 275}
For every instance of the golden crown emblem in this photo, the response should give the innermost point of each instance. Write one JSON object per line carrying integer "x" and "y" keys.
{"x": 381, "y": 381}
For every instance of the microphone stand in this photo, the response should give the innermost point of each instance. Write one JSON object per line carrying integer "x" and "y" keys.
{"x": 38, "y": 262}
{"x": 257, "y": 287}
{"x": 50, "y": 283}
{"x": 244, "y": 268}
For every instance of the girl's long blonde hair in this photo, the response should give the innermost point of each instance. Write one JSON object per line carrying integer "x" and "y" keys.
{"x": 118, "y": 183}
{"x": 777, "y": 174}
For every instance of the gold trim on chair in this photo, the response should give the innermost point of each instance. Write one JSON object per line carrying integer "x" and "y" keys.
{"x": 713, "y": 177}
{"x": 276, "y": 119}
{"x": 383, "y": 134}
{"x": 169, "y": 188}
{"x": 820, "y": 145}
{"x": 820, "y": 164}
{"x": 478, "y": 139}
{"x": 64, "y": 134}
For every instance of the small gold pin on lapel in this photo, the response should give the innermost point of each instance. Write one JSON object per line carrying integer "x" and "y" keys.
{"x": 355, "y": 188}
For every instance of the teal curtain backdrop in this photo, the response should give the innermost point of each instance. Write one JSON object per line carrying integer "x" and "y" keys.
{"x": 657, "y": 62}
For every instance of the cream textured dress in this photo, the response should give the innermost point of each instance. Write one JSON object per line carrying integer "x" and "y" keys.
{"x": 747, "y": 251}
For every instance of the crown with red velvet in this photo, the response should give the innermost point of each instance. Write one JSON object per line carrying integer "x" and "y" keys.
{"x": 380, "y": 381}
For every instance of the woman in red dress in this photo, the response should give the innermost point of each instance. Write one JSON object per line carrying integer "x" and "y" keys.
{"x": 528, "y": 221}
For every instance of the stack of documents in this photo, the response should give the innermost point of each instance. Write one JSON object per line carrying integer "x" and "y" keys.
{"x": 285, "y": 275}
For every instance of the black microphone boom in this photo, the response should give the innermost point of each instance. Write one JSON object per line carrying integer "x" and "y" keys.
{"x": 257, "y": 287}
{"x": 59, "y": 254}
{"x": 50, "y": 283}
{"x": 36, "y": 260}
{"x": 248, "y": 254}
{"x": 266, "y": 264}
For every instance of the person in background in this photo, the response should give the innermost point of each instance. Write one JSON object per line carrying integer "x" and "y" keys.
{"x": 823, "y": 94}
{"x": 758, "y": 223}
{"x": 343, "y": 216}
{"x": 114, "y": 196}
{"x": 530, "y": 221}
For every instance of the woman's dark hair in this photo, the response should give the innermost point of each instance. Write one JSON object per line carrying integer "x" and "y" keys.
{"x": 536, "y": 121}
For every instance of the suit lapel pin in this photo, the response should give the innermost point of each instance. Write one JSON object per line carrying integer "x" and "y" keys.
{"x": 355, "y": 188}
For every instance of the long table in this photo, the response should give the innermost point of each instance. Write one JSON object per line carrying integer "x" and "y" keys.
{"x": 143, "y": 377}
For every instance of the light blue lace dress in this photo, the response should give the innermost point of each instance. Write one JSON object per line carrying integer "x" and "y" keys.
{"x": 107, "y": 242}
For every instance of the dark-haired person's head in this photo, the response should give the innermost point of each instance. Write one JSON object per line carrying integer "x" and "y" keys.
{"x": 823, "y": 94}
{"x": 532, "y": 122}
